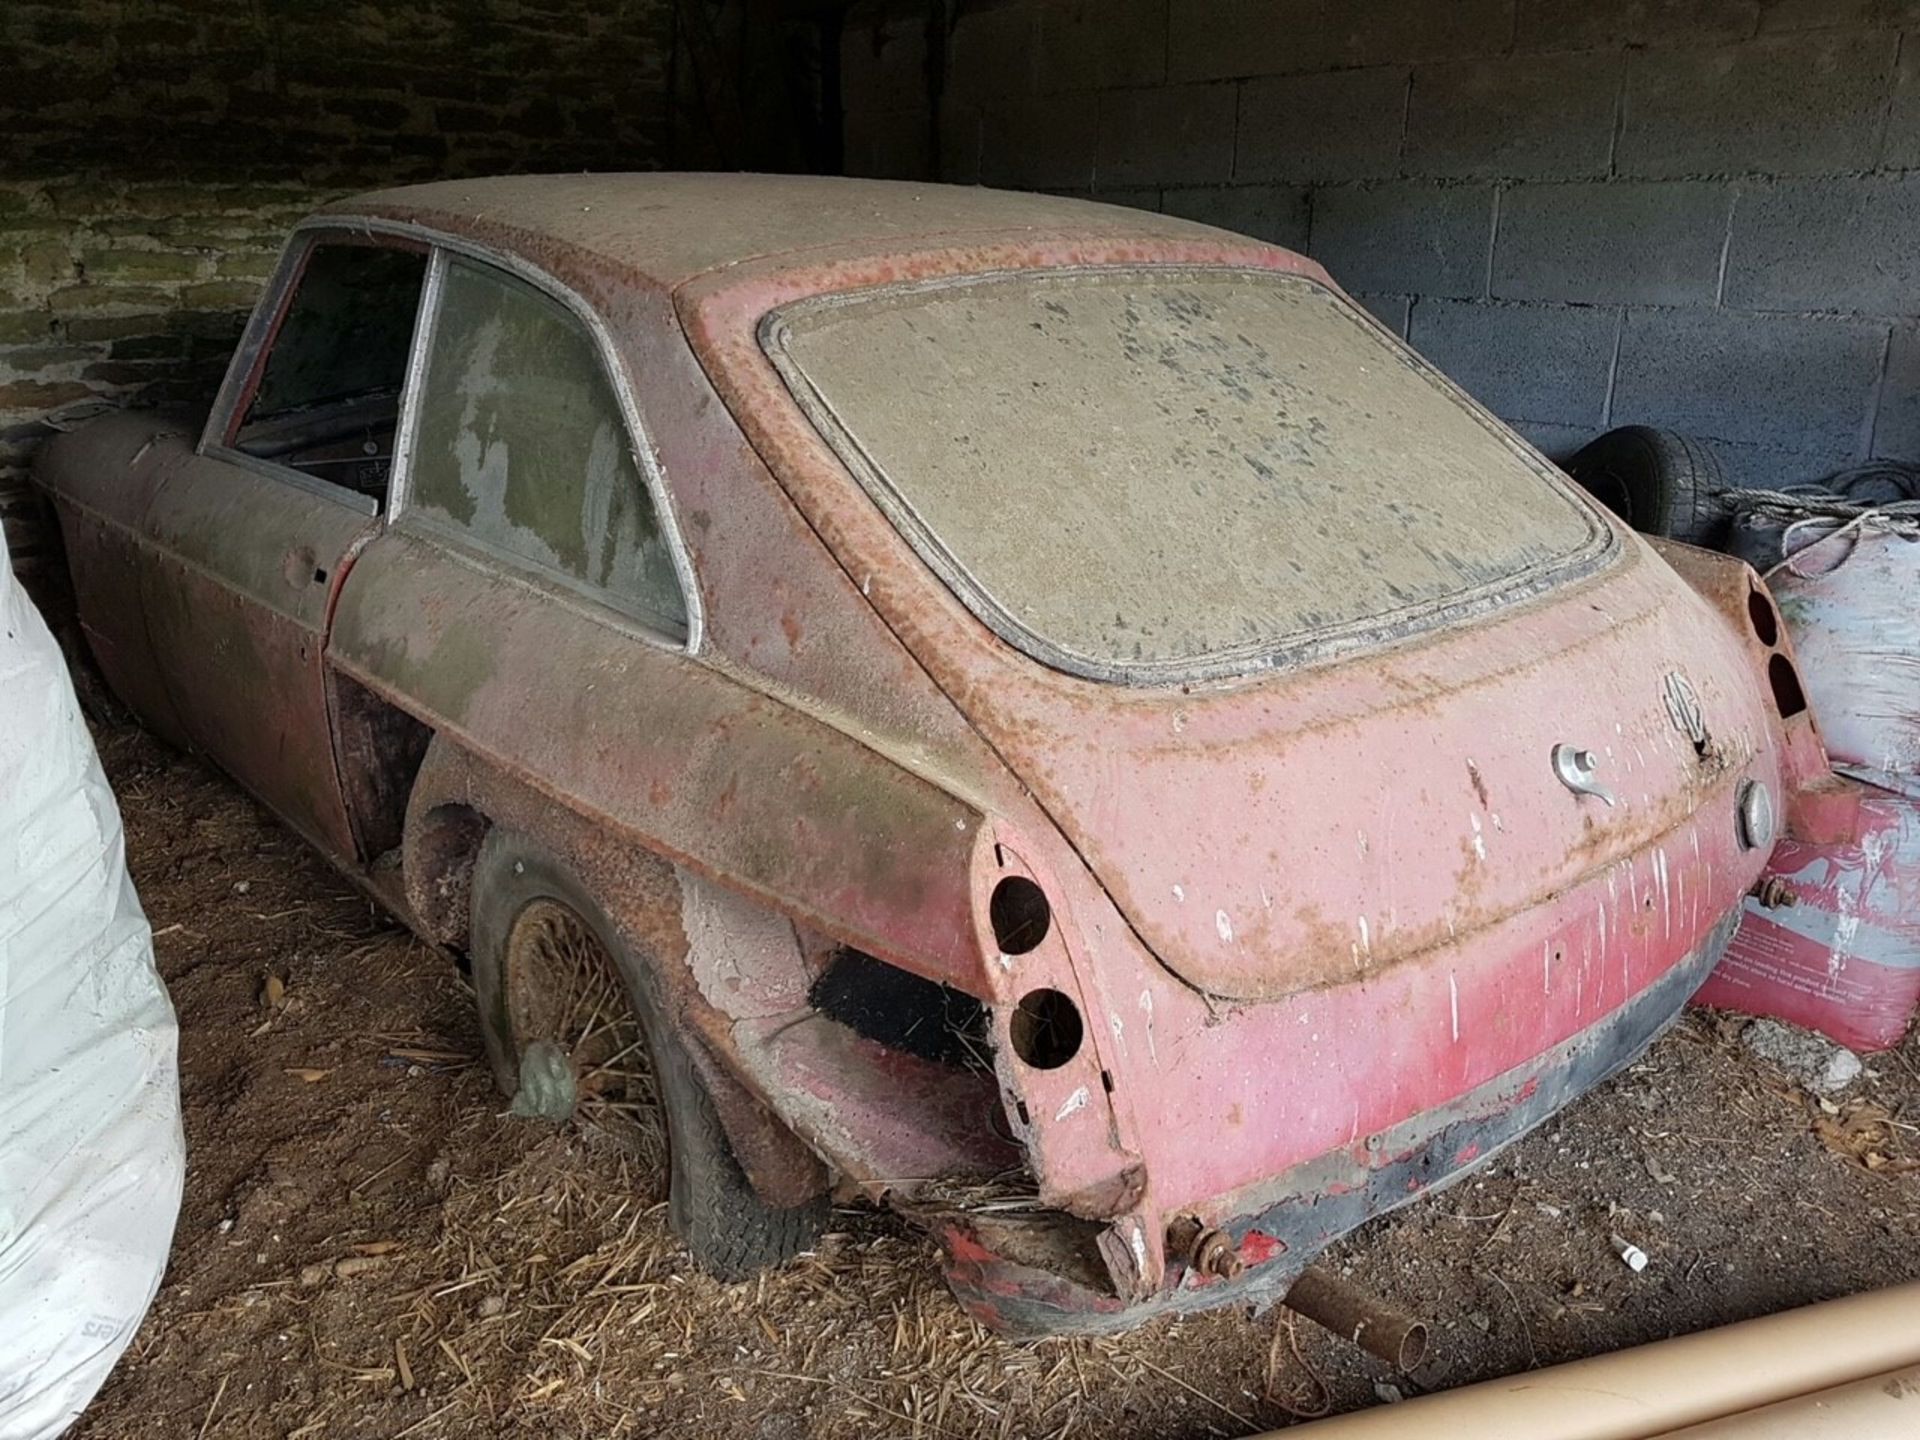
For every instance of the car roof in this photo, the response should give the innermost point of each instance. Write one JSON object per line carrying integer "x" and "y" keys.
{"x": 668, "y": 227}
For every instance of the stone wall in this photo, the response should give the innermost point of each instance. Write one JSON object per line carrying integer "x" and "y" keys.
{"x": 1693, "y": 213}
{"x": 119, "y": 293}
{"x": 153, "y": 154}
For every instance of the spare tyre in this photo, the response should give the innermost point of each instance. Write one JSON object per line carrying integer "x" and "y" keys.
{"x": 1659, "y": 481}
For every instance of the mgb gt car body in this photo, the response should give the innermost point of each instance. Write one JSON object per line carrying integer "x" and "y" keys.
{"x": 1041, "y": 713}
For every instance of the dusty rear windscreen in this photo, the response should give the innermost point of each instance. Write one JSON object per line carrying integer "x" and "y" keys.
{"x": 1158, "y": 475}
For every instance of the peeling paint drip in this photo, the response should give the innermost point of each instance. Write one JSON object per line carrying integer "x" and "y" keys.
{"x": 1078, "y": 1100}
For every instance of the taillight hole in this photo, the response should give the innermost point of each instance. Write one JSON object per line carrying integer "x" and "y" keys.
{"x": 902, "y": 1011}
{"x": 1046, "y": 1030}
{"x": 1766, "y": 625}
{"x": 1788, "y": 698}
{"x": 1020, "y": 915}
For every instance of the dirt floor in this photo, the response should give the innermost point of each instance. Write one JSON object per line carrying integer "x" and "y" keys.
{"x": 369, "y": 1248}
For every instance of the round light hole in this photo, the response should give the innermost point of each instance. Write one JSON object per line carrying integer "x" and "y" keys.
{"x": 1046, "y": 1029}
{"x": 1766, "y": 625}
{"x": 1788, "y": 698}
{"x": 1020, "y": 915}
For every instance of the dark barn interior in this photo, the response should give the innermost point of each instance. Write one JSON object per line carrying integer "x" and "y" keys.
{"x": 1703, "y": 216}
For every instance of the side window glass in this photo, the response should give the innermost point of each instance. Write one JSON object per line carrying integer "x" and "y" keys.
{"x": 521, "y": 444}
{"x": 328, "y": 399}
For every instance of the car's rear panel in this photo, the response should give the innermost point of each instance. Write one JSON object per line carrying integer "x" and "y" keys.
{"x": 1334, "y": 928}
{"x": 1315, "y": 829}
{"x": 1509, "y": 941}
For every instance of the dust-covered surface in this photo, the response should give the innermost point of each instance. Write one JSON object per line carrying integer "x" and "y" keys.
{"x": 521, "y": 444}
{"x": 368, "y": 1249}
{"x": 1182, "y": 421}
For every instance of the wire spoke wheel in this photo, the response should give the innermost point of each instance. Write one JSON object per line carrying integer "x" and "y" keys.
{"x": 583, "y": 1054}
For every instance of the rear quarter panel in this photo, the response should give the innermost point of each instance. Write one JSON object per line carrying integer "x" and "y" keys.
{"x": 663, "y": 750}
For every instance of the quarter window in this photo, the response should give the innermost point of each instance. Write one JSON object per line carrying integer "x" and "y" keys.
{"x": 521, "y": 444}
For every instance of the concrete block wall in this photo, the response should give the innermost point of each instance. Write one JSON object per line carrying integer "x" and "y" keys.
{"x": 154, "y": 153}
{"x": 1693, "y": 213}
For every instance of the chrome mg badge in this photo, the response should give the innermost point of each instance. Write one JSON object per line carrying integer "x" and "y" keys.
{"x": 1689, "y": 717}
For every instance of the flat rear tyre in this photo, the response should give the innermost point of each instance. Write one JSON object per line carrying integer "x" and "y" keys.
{"x": 574, "y": 1029}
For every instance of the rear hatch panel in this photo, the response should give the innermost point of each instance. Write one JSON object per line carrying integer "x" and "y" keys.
{"x": 1272, "y": 837}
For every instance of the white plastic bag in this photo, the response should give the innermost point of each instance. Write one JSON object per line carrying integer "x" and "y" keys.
{"x": 1850, "y": 596}
{"x": 91, "y": 1152}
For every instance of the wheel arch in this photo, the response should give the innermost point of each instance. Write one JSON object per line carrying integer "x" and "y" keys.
{"x": 458, "y": 799}
{"x": 440, "y": 841}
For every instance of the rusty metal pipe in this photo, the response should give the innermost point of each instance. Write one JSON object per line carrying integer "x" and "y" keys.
{"x": 1353, "y": 1314}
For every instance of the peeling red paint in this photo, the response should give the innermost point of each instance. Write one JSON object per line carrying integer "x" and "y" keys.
{"x": 1257, "y": 1248}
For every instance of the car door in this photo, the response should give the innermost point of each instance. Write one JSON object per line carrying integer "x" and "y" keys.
{"x": 251, "y": 536}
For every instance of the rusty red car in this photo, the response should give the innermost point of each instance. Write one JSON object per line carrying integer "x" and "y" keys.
{"x": 1043, "y": 714}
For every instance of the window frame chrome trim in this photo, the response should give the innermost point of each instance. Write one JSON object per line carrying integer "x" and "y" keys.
{"x": 340, "y": 495}
{"x": 613, "y": 366}
{"x": 306, "y": 237}
{"x": 407, "y": 426}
